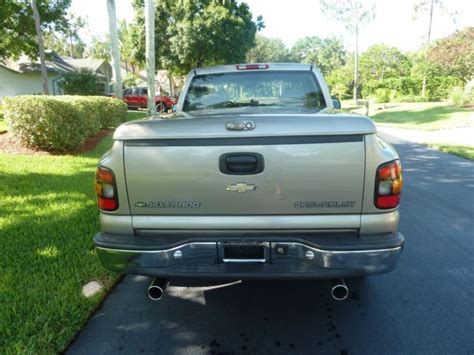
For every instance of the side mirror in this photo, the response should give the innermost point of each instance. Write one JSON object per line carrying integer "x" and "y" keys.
{"x": 174, "y": 108}
{"x": 336, "y": 103}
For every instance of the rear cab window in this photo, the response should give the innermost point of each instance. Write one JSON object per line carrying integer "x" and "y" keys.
{"x": 255, "y": 91}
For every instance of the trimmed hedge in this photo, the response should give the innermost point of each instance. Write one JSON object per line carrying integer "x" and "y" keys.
{"x": 437, "y": 88}
{"x": 60, "y": 122}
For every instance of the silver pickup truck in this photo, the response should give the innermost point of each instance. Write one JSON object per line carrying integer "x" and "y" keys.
{"x": 255, "y": 176}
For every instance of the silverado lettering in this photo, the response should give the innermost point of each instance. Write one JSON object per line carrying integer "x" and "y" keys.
{"x": 170, "y": 204}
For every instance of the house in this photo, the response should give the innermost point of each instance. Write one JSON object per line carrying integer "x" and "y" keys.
{"x": 100, "y": 67}
{"x": 23, "y": 76}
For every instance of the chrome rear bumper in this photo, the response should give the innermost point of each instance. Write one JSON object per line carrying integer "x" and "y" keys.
{"x": 283, "y": 259}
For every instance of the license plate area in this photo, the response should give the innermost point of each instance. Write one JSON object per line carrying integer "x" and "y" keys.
{"x": 244, "y": 252}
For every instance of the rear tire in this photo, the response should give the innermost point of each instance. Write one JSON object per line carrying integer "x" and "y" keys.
{"x": 161, "y": 107}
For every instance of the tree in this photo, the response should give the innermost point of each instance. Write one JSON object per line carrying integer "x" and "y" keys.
{"x": 60, "y": 44}
{"x": 150, "y": 54}
{"x": 340, "y": 80}
{"x": 75, "y": 23}
{"x": 268, "y": 50}
{"x": 454, "y": 55}
{"x": 427, "y": 7}
{"x": 82, "y": 82}
{"x": 192, "y": 34}
{"x": 17, "y": 26}
{"x": 115, "y": 49}
{"x": 99, "y": 48}
{"x": 127, "y": 49}
{"x": 39, "y": 36}
{"x": 380, "y": 61}
{"x": 353, "y": 14}
{"x": 327, "y": 54}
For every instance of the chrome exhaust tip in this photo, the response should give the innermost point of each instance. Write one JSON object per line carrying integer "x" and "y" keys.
{"x": 157, "y": 289}
{"x": 339, "y": 289}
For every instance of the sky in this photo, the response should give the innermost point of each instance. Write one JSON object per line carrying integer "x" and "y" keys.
{"x": 290, "y": 20}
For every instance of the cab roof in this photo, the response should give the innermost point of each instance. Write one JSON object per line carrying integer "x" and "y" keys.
{"x": 252, "y": 67}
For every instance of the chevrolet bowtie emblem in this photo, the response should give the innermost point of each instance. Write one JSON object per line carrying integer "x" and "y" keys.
{"x": 241, "y": 187}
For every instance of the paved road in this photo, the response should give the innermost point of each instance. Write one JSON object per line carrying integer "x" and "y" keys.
{"x": 425, "y": 306}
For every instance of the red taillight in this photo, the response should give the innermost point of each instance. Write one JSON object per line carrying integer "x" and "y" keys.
{"x": 105, "y": 189}
{"x": 388, "y": 185}
{"x": 251, "y": 66}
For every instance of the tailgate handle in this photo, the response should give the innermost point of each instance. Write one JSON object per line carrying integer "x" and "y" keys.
{"x": 241, "y": 163}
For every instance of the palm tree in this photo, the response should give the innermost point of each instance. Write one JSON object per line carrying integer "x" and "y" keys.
{"x": 114, "y": 44}
{"x": 39, "y": 36}
{"x": 150, "y": 53}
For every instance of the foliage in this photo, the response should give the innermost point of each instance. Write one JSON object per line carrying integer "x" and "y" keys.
{"x": 17, "y": 27}
{"x": 43, "y": 122}
{"x": 99, "y": 48}
{"x": 343, "y": 79}
{"x": 380, "y": 61}
{"x": 112, "y": 112}
{"x": 460, "y": 97}
{"x": 60, "y": 122}
{"x": 130, "y": 80}
{"x": 192, "y": 34}
{"x": 454, "y": 55}
{"x": 82, "y": 81}
{"x": 327, "y": 54}
{"x": 383, "y": 95}
{"x": 352, "y": 14}
{"x": 59, "y": 44}
{"x": 438, "y": 88}
{"x": 129, "y": 51}
{"x": 88, "y": 109}
{"x": 268, "y": 50}
{"x": 67, "y": 42}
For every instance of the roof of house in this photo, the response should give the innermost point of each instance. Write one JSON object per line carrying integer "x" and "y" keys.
{"x": 54, "y": 63}
{"x": 91, "y": 63}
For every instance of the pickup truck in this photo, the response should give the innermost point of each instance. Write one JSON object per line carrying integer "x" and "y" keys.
{"x": 255, "y": 176}
{"x": 137, "y": 98}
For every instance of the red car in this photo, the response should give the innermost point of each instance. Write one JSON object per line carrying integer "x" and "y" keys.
{"x": 137, "y": 98}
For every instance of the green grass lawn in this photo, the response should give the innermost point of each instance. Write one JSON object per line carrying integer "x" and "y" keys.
{"x": 422, "y": 115}
{"x": 459, "y": 150}
{"x": 48, "y": 216}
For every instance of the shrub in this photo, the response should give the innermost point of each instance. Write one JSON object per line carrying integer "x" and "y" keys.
{"x": 82, "y": 82}
{"x": 60, "y": 122}
{"x": 437, "y": 88}
{"x": 88, "y": 109}
{"x": 459, "y": 97}
{"x": 410, "y": 98}
{"x": 112, "y": 112}
{"x": 44, "y": 122}
{"x": 383, "y": 95}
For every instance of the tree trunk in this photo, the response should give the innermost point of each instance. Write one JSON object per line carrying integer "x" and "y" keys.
{"x": 356, "y": 59}
{"x": 70, "y": 47}
{"x": 39, "y": 36}
{"x": 428, "y": 39}
{"x": 114, "y": 43}
{"x": 150, "y": 53}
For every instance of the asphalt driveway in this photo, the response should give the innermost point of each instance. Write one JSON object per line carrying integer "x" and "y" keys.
{"x": 425, "y": 306}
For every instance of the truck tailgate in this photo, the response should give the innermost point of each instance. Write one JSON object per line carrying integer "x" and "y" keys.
{"x": 296, "y": 175}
